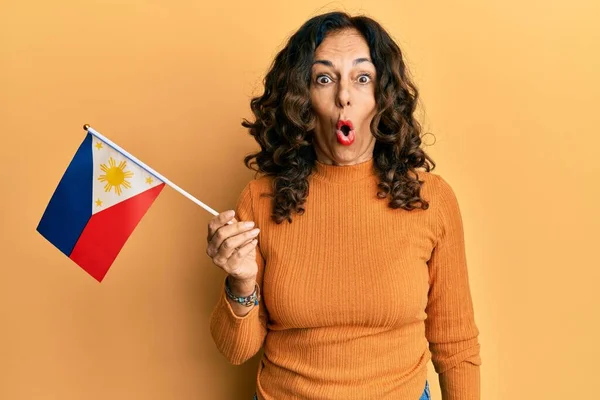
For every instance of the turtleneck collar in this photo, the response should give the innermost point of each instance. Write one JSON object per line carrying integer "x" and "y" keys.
{"x": 345, "y": 173}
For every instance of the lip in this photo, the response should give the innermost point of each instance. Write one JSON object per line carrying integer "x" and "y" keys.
{"x": 345, "y": 140}
{"x": 343, "y": 122}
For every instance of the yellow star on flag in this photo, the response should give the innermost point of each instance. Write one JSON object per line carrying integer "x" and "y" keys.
{"x": 98, "y": 145}
{"x": 99, "y": 203}
{"x": 149, "y": 180}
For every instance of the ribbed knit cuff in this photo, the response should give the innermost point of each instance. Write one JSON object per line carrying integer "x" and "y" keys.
{"x": 237, "y": 338}
{"x": 461, "y": 382}
{"x": 234, "y": 319}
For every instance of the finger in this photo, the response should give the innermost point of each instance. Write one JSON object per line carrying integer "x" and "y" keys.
{"x": 224, "y": 233}
{"x": 232, "y": 243}
{"x": 220, "y": 262}
{"x": 246, "y": 249}
{"x": 227, "y": 232}
{"x": 230, "y": 265}
{"x": 238, "y": 256}
{"x": 218, "y": 221}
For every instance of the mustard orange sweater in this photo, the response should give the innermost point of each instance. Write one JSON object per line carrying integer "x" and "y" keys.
{"x": 356, "y": 297}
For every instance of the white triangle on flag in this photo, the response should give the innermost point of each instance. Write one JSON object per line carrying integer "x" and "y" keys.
{"x": 116, "y": 178}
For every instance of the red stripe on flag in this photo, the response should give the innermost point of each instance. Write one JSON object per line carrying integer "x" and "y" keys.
{"x": 107, "y": 231}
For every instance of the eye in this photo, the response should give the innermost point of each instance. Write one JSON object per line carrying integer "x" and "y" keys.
{"x": 323, "y": 79}
{"x": 364, "y": 78}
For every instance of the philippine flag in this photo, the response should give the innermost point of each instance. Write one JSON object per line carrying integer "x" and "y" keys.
{"x": 97, "y": 204}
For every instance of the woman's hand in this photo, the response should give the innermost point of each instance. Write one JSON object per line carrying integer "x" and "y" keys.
{"x": 232, "y": 247}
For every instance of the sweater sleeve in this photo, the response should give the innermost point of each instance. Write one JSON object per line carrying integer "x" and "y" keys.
{"x": 240, "y": 338}
{"x": 450, "y": 324}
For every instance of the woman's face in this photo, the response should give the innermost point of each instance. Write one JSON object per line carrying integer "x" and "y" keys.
{"x": 342, "y": 93}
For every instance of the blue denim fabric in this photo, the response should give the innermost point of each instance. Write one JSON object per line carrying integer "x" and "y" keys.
{"x": 425, "y": 396}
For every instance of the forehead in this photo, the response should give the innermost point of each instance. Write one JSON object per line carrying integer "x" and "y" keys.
{"x": 348, "y": 42}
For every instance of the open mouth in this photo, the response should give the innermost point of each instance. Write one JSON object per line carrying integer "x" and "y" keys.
{"x": 345, "y": 132}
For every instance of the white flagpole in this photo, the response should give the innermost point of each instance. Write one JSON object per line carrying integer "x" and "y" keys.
{"x": 141, "y": 164}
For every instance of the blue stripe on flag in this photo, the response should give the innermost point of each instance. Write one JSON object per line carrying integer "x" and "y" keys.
{"x": 70, "y": 207}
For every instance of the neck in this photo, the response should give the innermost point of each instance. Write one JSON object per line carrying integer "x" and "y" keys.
{"x": 344, "y": 173}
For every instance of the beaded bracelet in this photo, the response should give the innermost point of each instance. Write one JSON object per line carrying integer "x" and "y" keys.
{"x": 247, "y": 301}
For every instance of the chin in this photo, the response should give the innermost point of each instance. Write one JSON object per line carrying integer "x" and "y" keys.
{"x": 345, "y": 155}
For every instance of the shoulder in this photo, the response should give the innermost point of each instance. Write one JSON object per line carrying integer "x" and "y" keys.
{"x": 443, "y": 202}
{"x": 251, "y": 200}
{"x": 255, "y": 187}
{"x": 442, "y": 198}
{"x": 435, "y": 187}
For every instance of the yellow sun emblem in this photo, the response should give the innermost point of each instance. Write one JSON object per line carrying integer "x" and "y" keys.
{"x": 115, "y": 176}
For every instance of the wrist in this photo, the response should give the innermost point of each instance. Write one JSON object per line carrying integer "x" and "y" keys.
{"x": 243, "y": 287}
{"x": 242, "y": 295}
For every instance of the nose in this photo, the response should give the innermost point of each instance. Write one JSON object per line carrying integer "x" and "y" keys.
{"x": 343, "y": 95}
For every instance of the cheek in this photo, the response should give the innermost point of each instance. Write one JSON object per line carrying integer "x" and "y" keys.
{"x": 320, "y": 105}
{"x": 370, "y": 104}
{"x": 368, "y": 98}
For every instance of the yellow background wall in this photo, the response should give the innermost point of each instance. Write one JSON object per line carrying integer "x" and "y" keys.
{"x": 510, "y": 90}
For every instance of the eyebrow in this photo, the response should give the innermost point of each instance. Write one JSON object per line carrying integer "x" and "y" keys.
{"x": 330, "y": 64}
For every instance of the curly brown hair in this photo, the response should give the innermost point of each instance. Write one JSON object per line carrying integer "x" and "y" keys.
{"x": 284, "y": 120}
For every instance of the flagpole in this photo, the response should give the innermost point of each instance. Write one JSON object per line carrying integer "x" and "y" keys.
{"x": 91, "y": 130}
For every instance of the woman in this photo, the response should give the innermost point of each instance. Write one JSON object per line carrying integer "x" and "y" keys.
{"x": 359, "y": 277}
